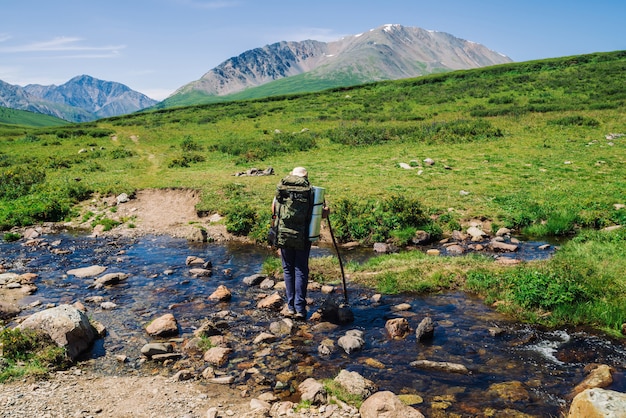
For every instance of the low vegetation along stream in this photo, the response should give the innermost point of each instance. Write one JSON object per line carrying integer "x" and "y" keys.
{"x": 510, "y": 365}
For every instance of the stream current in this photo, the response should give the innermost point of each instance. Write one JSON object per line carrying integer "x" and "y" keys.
{"x": 549, "y": 363}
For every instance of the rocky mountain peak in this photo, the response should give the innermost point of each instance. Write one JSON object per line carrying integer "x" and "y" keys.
{"x": 388, "y": 52}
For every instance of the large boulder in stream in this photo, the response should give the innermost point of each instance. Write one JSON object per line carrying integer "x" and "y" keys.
{"x": 598, "y": 403}
{"x": 67, "y": 326}
{"x": 163, "y": 326}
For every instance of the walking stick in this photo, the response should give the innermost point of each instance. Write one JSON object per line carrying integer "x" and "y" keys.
{"x": 343, "y": 276}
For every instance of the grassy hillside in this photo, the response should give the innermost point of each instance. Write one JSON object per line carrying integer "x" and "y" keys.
{"x": 24, "y": 118}
{"x": 534, "y": 146}
{"x": 302, "y": 83}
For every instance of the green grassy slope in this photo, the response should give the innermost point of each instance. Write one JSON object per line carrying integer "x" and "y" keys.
{"x": 302, "y": 83}
{"x": 21, "y": 117}
{"x": 523, "y": 139}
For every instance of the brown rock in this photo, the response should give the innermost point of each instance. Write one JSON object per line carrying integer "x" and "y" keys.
{"x": 503, "y": 246}
{"x": 217, "y": 356}
{"x": 599, "y": 377}
{"x": 87, "y": 271}
{"x": 273, "y": 301}
{"x": 398, "y": 328}
{"x": 356, "y": 384}
{"x": 386, "y": 404}
{"x": 221, "y": 294}
{"x": 455, "y": 249}
{"x": 163, "y": 326}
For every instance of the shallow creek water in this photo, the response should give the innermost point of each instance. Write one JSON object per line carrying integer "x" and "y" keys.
{"x": 548, "y": 362}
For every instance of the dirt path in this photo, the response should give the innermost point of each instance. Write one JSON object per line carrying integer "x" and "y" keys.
{"x": 80, "y": 394}
{"x": 159, "y": 212}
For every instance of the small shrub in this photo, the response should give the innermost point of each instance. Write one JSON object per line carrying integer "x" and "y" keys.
{"x": 11, "y": 237}
{"x": 30, "y": 138}
{"x": 303, "y": 405}
{"x": 449, "y": 221}
{"x": 108, "y": 224}
{"x": 240, "y": 219}
{"x": 189, "y": 145}
{"x": 558, "y": 224}
{"x": 272, "y": 266}
{"x": 370, "y": 221}
{"x": 119, "y": 153}
{"x": 29, "y": 353}
{"x": 19, "y": 181}
{"x": 499, "y": 100}
{"x": 575, "y": 121}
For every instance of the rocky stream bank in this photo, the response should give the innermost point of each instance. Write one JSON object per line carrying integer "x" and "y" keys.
{"x": 225, "y": 364}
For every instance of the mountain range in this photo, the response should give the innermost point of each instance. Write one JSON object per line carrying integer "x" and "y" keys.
{"x": 81, "y": 99}
{"x": 389, "y": 52}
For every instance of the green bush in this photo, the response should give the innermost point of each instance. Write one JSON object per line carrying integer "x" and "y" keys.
{"x": 558, "y": 223}
{"x": 575, "y": 121}
{"x": 118, "y": 153}
{"x": 457, "y": 131}
{"x": 29, "y": 353}
{"x": 19, "y": 181}
{"x": 34, "y": 208}
{"x": 252, "y": 149}
{"x": 189, "y": 145}
{"x": 370, "y": 221}
{"x": 186, "y": 160}
{"x": 240, "y": 219}
{"x": 402, "y": 236}
{"x": 11, "y": 237}
{"x": 582, "y": 284}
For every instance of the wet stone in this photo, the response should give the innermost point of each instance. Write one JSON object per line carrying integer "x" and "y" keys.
{"x": 152, "y": 349}
{"x": 425, "y": 329}
{"x": 351, "y": 341}
{"x": 254, "y": 280}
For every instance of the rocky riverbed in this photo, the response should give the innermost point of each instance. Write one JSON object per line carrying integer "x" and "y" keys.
{"x": 183, "y": 340}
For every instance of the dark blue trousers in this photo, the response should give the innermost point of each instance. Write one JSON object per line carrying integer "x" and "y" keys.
{"x": 296, "y": 273}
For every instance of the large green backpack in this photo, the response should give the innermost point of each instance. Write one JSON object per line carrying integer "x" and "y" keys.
{"x": 293, "y": 211}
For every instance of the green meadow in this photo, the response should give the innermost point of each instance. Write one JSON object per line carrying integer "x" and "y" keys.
{"x": 533, "y": 146}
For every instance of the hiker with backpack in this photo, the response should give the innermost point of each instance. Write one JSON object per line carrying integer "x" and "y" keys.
{"x": 292, "y": 210}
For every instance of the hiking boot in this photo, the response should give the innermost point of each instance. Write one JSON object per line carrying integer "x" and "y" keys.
{"x": 301, "y": 316}
{"x": 289, "y": 313}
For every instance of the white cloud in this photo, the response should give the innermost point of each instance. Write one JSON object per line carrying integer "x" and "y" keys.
{"x": 61, "y": 43}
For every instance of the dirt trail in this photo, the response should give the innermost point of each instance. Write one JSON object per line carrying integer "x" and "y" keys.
{"x": 160, "y": 212}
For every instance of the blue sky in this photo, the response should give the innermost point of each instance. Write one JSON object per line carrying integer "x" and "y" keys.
{"x": 157, "y": 46}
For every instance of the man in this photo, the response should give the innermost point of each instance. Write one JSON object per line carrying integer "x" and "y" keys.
{"x": 292, "y": 209}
